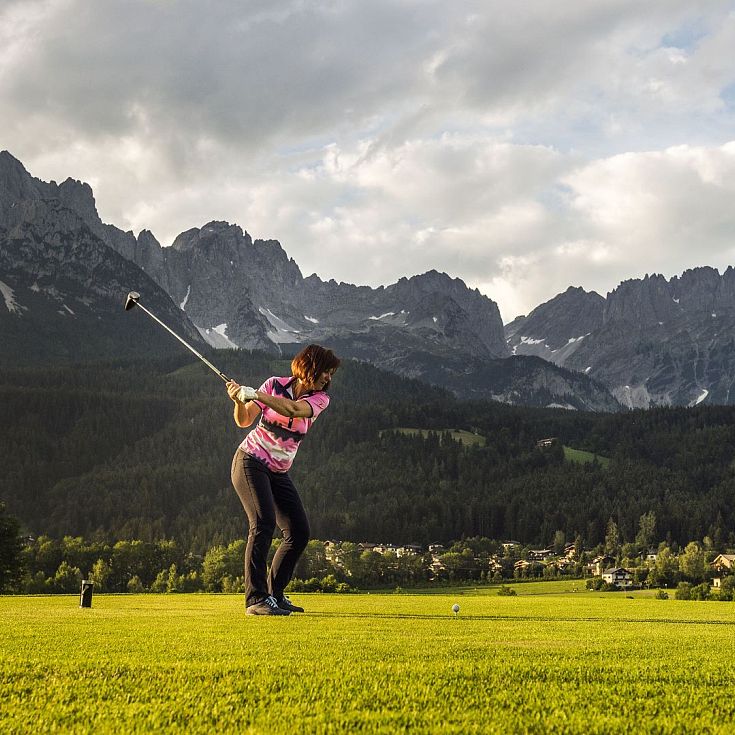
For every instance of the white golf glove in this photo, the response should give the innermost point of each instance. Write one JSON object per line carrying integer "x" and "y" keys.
{"x": 246, "y": 393}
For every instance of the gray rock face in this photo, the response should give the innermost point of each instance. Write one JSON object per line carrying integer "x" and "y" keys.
{"x": 249, "y": 293}
{"x": 651, "y": 341}
{"x": 63, "y": 288}
{"x": 217, "y": 282}
{"x": 556, "y": 329}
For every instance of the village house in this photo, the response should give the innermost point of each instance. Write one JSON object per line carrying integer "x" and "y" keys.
{"x": 598, "y": 564}
{"x": 618, "y": 577}
{"x": 560, "y": 565}
{"x": 494, "y": 565}
{"x": 527, "y": 568}
{"x": 540, "y": 554}
{"x": 509, "y": 545}
{"x": 723, "y": 564}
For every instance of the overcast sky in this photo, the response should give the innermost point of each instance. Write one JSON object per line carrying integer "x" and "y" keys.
{"x": 521, "y": 146}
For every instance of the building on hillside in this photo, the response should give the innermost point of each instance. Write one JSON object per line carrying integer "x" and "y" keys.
{"x": 548, "y": 442}
{"x": 599, "y": 563}
{"x": 651, "y": 556}
{"x": 409, "y": 550}
{"x": 436, "y": 549}
{"x": 724, "y": 563}
{"x": 540, "y": 554}
{"x": 509, "y": 545}
{"x": 385, "y": 548}
{"x": 528, "y": 568}
{"x": 561, "y": 564}
{"x": 494, "y": 565}
{"x": 618, "y": 577}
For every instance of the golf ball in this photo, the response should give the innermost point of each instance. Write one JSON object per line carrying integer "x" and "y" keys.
{"x": 455, "y": 608}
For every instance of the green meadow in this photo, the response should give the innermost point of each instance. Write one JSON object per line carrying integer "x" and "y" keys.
{"x": 459, "y": 435}
{"x": 549, "y": 660}
{"x": 581, "y": 457}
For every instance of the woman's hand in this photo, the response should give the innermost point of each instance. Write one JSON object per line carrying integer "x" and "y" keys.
{"x": 233, "y": 389}
{"x": 241, "y": 394}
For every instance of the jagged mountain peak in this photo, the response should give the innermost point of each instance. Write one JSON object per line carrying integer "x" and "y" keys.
{"x": 554, "y": 329}
{"x": 212, "y": 232}
{"x": 16, "y": 184}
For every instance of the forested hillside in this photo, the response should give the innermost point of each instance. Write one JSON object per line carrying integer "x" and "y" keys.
{"x": 142, "y": 449}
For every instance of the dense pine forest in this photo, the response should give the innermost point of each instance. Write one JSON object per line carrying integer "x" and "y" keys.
{"x": 142, "y": 450}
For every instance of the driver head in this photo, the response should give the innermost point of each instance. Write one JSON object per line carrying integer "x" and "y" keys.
{"x": 132, "y": 300}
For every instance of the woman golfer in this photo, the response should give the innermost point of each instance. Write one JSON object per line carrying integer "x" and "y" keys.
{"x": 287, "y": 408}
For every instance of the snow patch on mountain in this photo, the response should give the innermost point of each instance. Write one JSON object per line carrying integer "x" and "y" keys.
{"x": 182, "y": 305}
{"x": 700, "y": 398}
{"x": 9, "y": 295}
{"x": 282, "y": 333}
{"x": 217, "y": 337}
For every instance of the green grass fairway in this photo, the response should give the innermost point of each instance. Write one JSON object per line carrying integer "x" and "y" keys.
{"x": 377, "y": 663}
{"x": 582, "y": 457}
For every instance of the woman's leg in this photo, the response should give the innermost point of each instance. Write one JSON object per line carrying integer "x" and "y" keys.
{"x": 291, "y": 519}
{"x": 251, "y": 481}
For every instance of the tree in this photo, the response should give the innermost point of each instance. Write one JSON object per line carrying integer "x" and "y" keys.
{"x": 692, "y": 562}
{"x": 646, "y": 531}
{"x": 612, "y": 539}
{"x": 100, "y": 573}
{"x": 559, "y": 542}
{"x": 665, "y": 570}
{"x": 727, "y": 588}
{"x": 173, "y": 581}
{"x": 313, "y": 562}
{"x": 214, "y": 568}
{"x": 11, "y": 550}
{"x": 67, "y": 578}
{"x": 135, "y": 585}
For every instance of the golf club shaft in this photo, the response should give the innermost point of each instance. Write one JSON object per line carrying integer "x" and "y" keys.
{"x": 186, "y": 344}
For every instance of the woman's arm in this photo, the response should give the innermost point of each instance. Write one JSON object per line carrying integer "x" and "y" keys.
{"x": 285, "y": 406}
{"x": 246, "y": 412}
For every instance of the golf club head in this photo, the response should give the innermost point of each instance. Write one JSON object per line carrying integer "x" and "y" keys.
{"x": 132, "y": 300}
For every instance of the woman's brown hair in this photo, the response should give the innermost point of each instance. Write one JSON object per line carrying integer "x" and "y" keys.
{"x": 312, "y": 361}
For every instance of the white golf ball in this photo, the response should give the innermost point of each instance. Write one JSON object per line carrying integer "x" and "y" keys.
{"x": 455, "y": 608}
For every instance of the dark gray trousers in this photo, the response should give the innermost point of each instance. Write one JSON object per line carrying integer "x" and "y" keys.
{"x": 269, "y": 499}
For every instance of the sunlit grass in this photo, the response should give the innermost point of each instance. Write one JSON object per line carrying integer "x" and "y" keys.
{"x": 582, "y": 457}
{"x": 374, "y": 663}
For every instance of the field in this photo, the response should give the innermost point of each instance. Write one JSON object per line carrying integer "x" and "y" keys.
{"x": 459, "y": 435}
{"x": 547, "y": 661}
{"x": 582, "y": 457}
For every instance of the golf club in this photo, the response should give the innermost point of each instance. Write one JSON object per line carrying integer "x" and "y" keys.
{"x": 133, "y": 299}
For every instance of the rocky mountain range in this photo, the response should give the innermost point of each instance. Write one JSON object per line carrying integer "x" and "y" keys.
{"x": 64, "y": 275}
{"x": 62, "y": 287}
{"x": 651, "y": 341}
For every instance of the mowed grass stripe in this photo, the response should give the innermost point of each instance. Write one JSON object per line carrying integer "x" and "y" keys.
{"x": 195, "y": 663}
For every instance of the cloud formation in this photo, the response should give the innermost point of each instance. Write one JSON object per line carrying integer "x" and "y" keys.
{"x": 524, "y": 148}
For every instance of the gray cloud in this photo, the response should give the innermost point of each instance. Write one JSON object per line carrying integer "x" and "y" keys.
{"x": 498, "y": 142}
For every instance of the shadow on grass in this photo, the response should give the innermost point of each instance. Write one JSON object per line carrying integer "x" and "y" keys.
{"x": 525, "y": 618}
